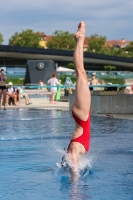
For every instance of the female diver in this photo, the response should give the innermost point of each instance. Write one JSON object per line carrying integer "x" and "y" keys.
{"x": 80, "y": 141}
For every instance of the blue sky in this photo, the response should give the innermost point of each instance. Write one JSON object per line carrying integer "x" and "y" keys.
{"x": 104, "y": 17}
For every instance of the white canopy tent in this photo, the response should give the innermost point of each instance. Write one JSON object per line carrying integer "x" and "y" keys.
{"x": 4, "y": 68}
{"x": 64, "y": 69}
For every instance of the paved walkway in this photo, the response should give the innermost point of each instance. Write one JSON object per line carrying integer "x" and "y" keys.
{"x": 42, "y": 103}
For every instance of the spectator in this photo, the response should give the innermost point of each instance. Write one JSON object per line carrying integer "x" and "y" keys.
{"x": 3, "y": 79}
{"x": 68, "y": 84}
{"x": 93, "y": 81}
{"x": 53, "y": 82}
{"x": 89, "y": 81}
{"x": 11, "y": 94}
{"x": 127, "y": 91}
{"x": 21, "y": 94}
{"x": 41, "y": 84}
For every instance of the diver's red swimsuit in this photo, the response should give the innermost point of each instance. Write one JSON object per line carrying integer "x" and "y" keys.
{"x": 84, "y": 139}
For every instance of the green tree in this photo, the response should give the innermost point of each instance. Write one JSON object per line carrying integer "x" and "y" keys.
{"x": 120, "y": 52}
{"x": 96, "y": 44}
{"x": 116, "y": 51}
{"x": 26, "y": 38}
{"x": 70, "y": 65}
{"x": 129, "y": 49}
{"x": 61, "y": 40}
{"x": 109, "y": 67}
{"x": 1, "y": 38}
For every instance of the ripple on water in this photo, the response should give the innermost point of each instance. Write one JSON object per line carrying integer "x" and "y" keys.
{"x": 32, "y": 142}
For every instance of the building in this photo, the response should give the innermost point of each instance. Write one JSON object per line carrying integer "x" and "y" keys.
{"x": 44, "y": 39}
{"x": 118, "y": 43}
{"x": 15, "y": 59}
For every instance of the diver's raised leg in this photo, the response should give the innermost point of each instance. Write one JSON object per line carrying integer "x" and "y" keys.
{"x": 81, "y": 104}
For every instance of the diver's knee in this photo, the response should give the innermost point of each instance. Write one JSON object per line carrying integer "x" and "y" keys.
{"x": 81, "y": 71}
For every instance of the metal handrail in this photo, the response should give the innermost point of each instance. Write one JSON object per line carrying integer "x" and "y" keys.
{"x": 36, "y": 86}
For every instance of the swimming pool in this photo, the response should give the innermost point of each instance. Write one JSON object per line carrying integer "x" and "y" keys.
{"x": 31, "y": 141}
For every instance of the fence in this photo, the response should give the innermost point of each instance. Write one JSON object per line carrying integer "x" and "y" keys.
{"x": 37, "y": 91}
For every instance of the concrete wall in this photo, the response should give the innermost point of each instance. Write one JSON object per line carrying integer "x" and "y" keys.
{"x": 103, "y": 104}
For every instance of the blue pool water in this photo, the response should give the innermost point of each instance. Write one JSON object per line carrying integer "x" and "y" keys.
{"x": 31, "y": 145}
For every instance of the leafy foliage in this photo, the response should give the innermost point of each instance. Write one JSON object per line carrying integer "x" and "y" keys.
{"x": 66, "y": 41}
{"x": 116, "y": 52}
{"x": 129, "y": 49}
{"x": 26, "y": 38}
{"x": 1, "y": 38}
{"x": 70, "y": 66}
{"x": 96, "y": 44}
{"x": 15, "y": 81}
{"x": 120, "y": 81}
{"x": 109, "y": 67}
{"x": 61, "y": 40}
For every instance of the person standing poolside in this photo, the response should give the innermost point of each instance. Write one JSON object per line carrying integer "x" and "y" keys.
{"x": 41, "y": 84}
{"x": 53, "y": 82}
{"x": 3, "y": 79}
{"x": 80, "y": 141}
{"x": 94, "y": 81}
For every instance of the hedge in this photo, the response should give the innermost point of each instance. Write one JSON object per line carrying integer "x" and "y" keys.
{"x": 15, "y": 81}
{"x": 119, "y": 81}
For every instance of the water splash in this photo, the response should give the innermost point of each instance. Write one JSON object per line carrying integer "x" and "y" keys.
{"x": 67, "y": 169}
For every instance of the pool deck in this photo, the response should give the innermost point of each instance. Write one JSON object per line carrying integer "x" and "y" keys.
{"x": 42, "y": 103}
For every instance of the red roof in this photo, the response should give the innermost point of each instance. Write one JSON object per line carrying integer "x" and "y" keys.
{"x": 48, "y": 37}
{"x": 43, "y": 34}
{"x": 121, "y": 43}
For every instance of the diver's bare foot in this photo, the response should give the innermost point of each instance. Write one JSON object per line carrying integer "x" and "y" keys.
{"x": 81, "y": 31}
